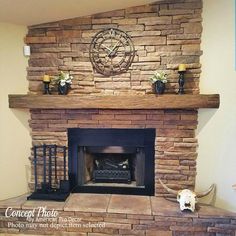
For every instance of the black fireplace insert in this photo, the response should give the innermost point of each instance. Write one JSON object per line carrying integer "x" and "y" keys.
{"x": 119, "y": 161}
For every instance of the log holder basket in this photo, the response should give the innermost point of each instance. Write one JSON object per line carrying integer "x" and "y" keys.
{"x": 54, "y": 184}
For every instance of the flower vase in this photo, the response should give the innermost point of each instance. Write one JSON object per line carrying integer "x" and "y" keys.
{"x": 63, "y": 89}
{"x": 160, "y": 87}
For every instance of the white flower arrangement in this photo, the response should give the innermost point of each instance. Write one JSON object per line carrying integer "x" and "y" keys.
{"x": 159, "y": 76}
{"x": 63, "y": 79}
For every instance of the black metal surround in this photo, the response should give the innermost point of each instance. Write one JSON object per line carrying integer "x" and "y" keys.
{"x": 127, "y": 138}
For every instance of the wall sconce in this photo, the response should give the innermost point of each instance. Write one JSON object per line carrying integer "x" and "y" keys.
{"x": 26, "y": 50}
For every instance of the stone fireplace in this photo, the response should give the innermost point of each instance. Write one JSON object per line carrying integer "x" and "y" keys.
{"x": 175, "y": 143}
{"x": 121, "y": 138}
{"x": 165, "y": 34}
{"x": 112, "y": 160}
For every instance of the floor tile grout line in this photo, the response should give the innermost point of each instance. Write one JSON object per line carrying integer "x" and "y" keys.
{"x": 110, "y": 196}
{"x": 150, "y": 200}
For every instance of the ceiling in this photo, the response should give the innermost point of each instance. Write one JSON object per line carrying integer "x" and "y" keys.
{"x": 31, "y": 12}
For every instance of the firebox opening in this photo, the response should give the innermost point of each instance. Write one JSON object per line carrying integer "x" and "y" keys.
{"x": 113, "y": 166}
{"x": 119, "y": 161}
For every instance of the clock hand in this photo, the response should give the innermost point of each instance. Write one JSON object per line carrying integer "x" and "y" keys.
{"x": 106, "y": 47}
{"x": 118, "y": 42}
{"x": 112, "y": 50}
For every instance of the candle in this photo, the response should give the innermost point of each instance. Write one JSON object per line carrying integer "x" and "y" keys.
{"x": 182, "y": 67}
{"x": 46, "y": 78}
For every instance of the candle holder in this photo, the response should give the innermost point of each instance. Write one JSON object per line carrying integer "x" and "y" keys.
{"x": 181, "y": 82}
{"x": 46, "y": 87}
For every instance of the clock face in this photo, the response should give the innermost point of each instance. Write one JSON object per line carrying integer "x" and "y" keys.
{"x": 111, "y": 52}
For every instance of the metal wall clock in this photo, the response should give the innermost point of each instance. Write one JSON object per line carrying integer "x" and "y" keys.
{"x": 111, "y": 52}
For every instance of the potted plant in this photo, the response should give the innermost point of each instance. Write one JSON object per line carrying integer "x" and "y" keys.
{"x": 63, "y": 81}
{"x": 159, "y": 79}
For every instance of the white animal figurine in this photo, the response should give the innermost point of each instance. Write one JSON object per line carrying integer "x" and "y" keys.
{"x": 187, "y": 198}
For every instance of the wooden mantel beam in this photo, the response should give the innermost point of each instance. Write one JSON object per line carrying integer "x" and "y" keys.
{"x": 166, "y": 101}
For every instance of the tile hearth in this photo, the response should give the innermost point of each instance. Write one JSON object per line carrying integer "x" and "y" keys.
{"x": 123, "y": 215}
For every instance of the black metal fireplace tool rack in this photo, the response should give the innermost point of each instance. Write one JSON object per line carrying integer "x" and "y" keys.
{"x": 53, "y": 185}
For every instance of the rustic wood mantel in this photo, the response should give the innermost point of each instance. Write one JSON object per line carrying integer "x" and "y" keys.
{"x": 115, "y": 102}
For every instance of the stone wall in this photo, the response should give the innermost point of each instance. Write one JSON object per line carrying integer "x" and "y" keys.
{"x": 175, "y": 148}
{"x": 165, "y": 34}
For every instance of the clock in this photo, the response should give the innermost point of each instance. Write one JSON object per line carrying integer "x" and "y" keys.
{"x": 111, "y": 52}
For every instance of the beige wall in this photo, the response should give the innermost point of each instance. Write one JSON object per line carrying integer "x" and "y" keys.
{"x": 14, "y": 132}
{"x": 217, "y": 128}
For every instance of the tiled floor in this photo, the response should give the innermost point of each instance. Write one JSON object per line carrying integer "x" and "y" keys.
{"x": 130, "y": 204}
{"x": 87, "y": 202}
{"x": 111, "y": 203}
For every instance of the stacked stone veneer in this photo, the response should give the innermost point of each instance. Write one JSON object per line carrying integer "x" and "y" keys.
{"x": 175, "y": 143}
{"x": 165, "y": 34}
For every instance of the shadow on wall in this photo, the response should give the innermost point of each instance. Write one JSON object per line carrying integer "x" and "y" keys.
{"x": 204, "y": 116}
{"x": 210, "y": 199}
{"x": 28, "y": 176}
